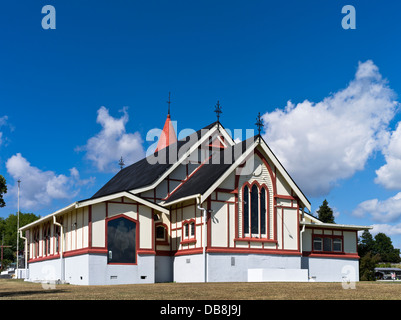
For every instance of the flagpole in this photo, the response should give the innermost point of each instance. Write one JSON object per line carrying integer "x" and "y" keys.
{"x": 19, "y": 181}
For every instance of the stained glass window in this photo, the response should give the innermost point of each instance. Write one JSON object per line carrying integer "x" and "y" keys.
{"x": 121, "y": 240}
{"x": 263, "y": 211}
{"x": 254, "y": 210}
{"x": 246, "y": 209}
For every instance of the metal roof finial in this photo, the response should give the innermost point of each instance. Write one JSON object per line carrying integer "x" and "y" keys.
{"x": 121, "y": 163}
{"x": 218, "y": 111}
{"x": 169, "y": 103}
{"x": 259, "y": 123}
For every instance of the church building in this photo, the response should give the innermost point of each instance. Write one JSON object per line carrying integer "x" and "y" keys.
{"x": 200, "y": 209}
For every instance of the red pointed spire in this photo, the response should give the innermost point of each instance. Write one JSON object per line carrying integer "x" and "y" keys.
{"x": 168, "y": 135}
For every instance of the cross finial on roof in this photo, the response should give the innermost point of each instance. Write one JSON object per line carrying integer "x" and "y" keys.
{"x": 259, "y": 123}
{"x": 218, "y": 111}
{"x": 121, "y": 163}
{"x": 169, "y": 103}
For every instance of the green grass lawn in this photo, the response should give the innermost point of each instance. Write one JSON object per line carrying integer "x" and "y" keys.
{"x": 11, "y": 289}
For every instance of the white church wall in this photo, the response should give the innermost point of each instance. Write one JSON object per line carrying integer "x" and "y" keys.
{"x": 92, "y": 269}
{"x": 234, "y": 267}
{"x": 219, "y": 227}
{"x": 282, "y": 186}
{"x": 188, "y": 268}
{"x": 122, "y": 208}
{"x": 332, "y": 269}
{"x": 145, "y": 225}
{"x": 98, "y": 225}
{"x": 43, "y": 271}
{"x": 290, "y": 229}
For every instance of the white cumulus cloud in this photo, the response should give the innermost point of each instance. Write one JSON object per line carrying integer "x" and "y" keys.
{"x": 112, "y": 142}
{"x": 388, "y": 229}
{"x": 324, "y": 142}
{"x": 39, "y": 188}
{"x": 388, "y": 210}
{"x": 389, "y": 175}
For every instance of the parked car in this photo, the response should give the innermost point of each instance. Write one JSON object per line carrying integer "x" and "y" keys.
{"x": 388, "y": 274}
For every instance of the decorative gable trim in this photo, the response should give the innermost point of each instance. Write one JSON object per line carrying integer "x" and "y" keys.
{"x": 176, "y": 164}
{"x": 285, "y": 174}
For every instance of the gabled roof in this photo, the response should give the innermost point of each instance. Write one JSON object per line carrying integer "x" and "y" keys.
{"x": 147, "y": 171}
{"x": 207, "y": 174}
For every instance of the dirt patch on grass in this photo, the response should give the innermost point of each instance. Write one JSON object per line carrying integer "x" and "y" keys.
{"x": 21, "y": 290}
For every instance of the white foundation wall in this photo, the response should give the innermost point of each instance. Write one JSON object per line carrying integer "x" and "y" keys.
{"x": 235, "y": 267}
{"x": 43, "y": 271}
{"x": 331, "y": 269}
{"x": 102, "y": 273}
{"x": 92, "y": 269}
{"x": 189, "y": 268}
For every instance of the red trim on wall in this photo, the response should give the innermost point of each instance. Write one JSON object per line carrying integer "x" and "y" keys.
{"x": 146, "y": 251}
{"x": 188, "y": 251}
{"x": 340, "y": 255}
{"x": 253, "y": 251}
{"x": 188, "y": 241}
{"x": 255, "y": 240}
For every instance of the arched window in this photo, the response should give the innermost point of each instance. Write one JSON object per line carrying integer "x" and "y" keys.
{"x": 255, "y": 211}
{"x": 245, "y": 203}
{"x": 121, "y": 240}
{"x": 161, "y": 234}
{"x": 263, "y": 211}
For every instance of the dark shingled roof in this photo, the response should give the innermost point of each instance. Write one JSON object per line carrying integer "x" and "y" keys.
{"x": 148, "y": 170}
{"x": 210, "y": 172}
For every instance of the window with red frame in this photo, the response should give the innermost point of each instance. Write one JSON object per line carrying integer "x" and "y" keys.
{"x": 121, "y": 241}
{"x": 325, "y": 243}
{"x": 188, "y": 230}
{"x": 161, "y": 234}
{"x": 255, "y": 211}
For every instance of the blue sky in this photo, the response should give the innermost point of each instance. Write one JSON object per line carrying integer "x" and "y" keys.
{"x": 73, "y": 99}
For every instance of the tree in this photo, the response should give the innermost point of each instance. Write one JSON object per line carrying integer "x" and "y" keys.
{"x": 375, "y": 250}
{"x": 3, "y": 190}
{"x": 8, "y": 232}
{"x": 384, "y": 246}
{"x": 325, "y": 213}
{"x": 366, "y": 243}
{"x": 367, "y": 266}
